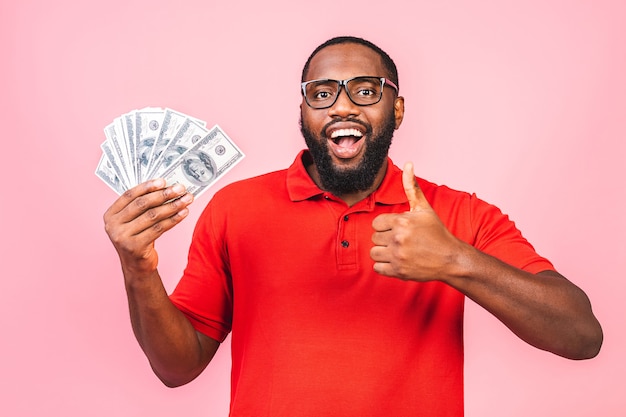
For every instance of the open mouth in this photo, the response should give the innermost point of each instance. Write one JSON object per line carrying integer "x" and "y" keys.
{"x": 346, "y": 143}
{"x": 346, "y": 136}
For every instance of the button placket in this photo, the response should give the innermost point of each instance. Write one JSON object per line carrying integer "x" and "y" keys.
{"x": 346, "y": 244}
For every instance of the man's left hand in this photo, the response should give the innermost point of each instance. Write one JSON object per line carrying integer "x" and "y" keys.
{"x": 414, "y": 245}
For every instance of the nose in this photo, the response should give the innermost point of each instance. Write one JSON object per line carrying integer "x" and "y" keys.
{"x": 343, "y": 106}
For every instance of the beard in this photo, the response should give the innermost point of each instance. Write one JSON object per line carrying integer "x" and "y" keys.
{"x": 339, "y": 180}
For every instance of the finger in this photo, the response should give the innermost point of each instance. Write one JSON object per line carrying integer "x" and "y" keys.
{"x": 155, "y": 230}
{"x": 412, "y": 190}
{"x": 138, "y": 234}
{"x": 379, "y": 254}
{"x": 162, "y": 217}
{"x": 381, "y": 238}
{"x": 383, "y": 222}
{"x": 383, "y": 268}
{"x": 131, "y": 194}
{"x": 156, "y": 197}
{"x": 147, "y": 207}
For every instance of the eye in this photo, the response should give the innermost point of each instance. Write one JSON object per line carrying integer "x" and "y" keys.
{"x": 367, "y": 88}
{"x": 322, "y": 95}
{"x": 365, "y": 92}
{"x": 321, "y": 91}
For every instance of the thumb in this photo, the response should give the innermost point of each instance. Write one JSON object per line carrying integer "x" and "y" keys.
{"x": 413, "y": 191}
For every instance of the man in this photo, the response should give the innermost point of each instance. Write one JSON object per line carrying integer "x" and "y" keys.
{"x": 341, "y": 278}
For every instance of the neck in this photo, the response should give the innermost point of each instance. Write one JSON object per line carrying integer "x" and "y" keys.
{"x": 349, "y": 198}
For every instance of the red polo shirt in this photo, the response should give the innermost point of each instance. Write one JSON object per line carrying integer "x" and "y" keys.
{"x": 315, "y": 331}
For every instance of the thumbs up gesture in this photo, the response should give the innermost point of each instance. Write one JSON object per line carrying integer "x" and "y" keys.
{"x": 414, "y": 245}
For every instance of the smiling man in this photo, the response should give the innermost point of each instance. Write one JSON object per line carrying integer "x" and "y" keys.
{"x": 343, "y": 282}
{"x": 349, "y": 134}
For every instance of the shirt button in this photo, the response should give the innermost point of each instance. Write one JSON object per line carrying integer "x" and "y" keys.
{"x": 345, "y": 243}
{"x": 345, "y": 218}
{"x": 327, "y": 197}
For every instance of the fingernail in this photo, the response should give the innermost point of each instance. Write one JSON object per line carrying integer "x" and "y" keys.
{"x": 178, "y": 188}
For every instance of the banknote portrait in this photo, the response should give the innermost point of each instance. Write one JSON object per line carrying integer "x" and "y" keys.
{"x": 198, "y": 167}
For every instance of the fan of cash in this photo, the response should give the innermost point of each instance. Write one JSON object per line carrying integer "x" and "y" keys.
{"x": 163, "y": 143}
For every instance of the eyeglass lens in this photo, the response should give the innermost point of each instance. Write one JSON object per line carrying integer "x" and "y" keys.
{"x": 363, "y": 91}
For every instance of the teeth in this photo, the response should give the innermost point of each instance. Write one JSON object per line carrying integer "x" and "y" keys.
{"x": 346, "y": 132}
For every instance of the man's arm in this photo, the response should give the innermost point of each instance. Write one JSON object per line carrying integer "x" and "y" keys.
{"x": 546, "y": 310}
{"x": 177, "y": 353}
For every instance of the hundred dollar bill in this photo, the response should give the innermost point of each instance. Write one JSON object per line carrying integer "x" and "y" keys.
{"x": 121, "y": 145}
{"x": 127, "y": 122}
{"x": 112, "y": 148}
{"x": 190, "y": 133}
{"x": 172, "y": 122}
{"x": 147, "y": 124}
{"x": 106, "y": 172}
{"x": 204, "y": 163}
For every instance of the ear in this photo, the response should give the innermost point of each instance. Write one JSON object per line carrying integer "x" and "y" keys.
{"x": 398, "y": 109}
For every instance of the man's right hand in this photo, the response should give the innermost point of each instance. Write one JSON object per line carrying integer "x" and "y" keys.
{"x": 136, "y": 219}
{"x": 139, "y": 216}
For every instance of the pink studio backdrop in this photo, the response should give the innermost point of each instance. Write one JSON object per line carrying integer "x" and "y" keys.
{"x": 524, "y": 104}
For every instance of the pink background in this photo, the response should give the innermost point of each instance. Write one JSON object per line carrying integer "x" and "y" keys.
{"x": 524, "y": 104}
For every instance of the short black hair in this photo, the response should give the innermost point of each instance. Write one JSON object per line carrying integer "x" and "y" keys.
{"x": 390, "y": 66}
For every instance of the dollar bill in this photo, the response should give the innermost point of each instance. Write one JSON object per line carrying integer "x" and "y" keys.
{"x": 127, "y": 128}
{"x": 120, "y": 143}
{"x": 107, "y": 173}
{"x": 147, "y": 124}
{"x": 112, "y": 147}
{"x": 172, "y": 122}
{"x": 189, "y": 133}
{"x": 154, "y": 142}
{"x": 204, "y": 163}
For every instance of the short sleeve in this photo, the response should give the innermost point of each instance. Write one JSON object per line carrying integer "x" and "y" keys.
{"x": 497, "y": 235}
{"x": 204, "y": 293}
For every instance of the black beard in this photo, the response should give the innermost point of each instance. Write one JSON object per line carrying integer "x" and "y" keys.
{"x": 340, "y": 181}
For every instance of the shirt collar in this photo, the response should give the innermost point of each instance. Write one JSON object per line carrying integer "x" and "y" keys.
{"x": 301, "y": 187}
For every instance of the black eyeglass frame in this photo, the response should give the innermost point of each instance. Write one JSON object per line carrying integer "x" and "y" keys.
{"x": 344, "y": 84}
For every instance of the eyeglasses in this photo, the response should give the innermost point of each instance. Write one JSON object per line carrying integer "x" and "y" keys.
{"x": 362, "y": 91}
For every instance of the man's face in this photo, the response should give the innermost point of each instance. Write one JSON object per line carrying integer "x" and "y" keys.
{"x": 349, "y": 143}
